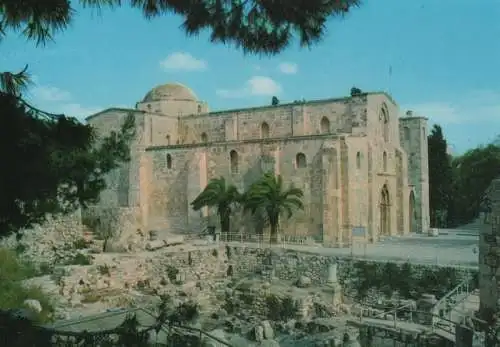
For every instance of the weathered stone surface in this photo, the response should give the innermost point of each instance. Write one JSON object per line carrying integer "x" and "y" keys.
{"x": 303, "y": 282}
{"x": 154, "y": 245}
{"x": 33, "y": 305}
{"x": 174, "y": 240}
{"x": 269, "y": 343}
{"x": 345, "y": 154}
{"x": 209, "y": 342}
{"x": 268, "y": 330}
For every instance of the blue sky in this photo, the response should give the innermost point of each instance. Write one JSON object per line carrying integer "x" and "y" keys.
{"x": 439, "y": 58}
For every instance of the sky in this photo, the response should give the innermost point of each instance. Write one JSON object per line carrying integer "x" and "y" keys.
{"x": 440, "y": 59}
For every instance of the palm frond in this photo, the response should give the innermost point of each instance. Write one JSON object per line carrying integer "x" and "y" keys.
{"x": 15, "y": 83}
{"x": 217, "y": 193}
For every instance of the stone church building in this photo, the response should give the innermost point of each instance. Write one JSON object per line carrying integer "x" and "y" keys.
{"x": 359, "y": 162}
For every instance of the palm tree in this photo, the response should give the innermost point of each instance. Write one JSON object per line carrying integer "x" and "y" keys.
{"x": 268, "y": 196}
{"x": 221, "y": 195}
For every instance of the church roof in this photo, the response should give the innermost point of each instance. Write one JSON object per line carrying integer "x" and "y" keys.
{"x": 170, "y": 91}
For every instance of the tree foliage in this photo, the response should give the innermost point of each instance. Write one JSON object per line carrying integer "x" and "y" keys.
{"x": 221, "y": 195}
{"x": 440, "y": 177}
{"x": 52, "y": 164}
{"x": 270, "y": 197}
{"x": 472, "y": 175}
{"x": 256, "y": 26}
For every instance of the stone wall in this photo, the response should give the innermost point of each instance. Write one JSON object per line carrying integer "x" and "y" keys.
{"x": 489, "y": 253}
{"x": 210, "y": 264}
{"x": 49, "y": 242}
{"x": 127, "y": 221}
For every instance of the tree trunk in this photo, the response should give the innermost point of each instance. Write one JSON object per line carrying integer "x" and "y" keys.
{"x": 274, "y": 233}
{"x": 224, "y": 225}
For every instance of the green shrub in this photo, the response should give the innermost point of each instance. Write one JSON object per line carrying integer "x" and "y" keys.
{"x": 12, "y": 293}
{"x": 281, "y": 309}
{"x": 12, "y": 268}
{"x": 80, "y": 244}
{"x": 104, "y": 270}
{"x": 79, "y": 259}
{"x": 172, "y": 273}
{"x": 409, "y": 280}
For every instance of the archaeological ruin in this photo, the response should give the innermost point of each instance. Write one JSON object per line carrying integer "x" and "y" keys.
{"x": 360, "y": 163}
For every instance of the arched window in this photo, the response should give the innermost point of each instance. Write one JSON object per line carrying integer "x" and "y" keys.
{"x": 325, "y": 125}
{"x": 423, "y": 131}
{"x": 233, "y": 155}
{"x": 300, "y": 161}
{"x": 384, "y": 120}
{"x": 199, "y": 108}
{"x": 384, "y": 160}
{"x": 264, "y": 130}
{"x": 204, "y": 137}
{"x": 406, "y": 132}
{"x": 168, "y": 139}
{"x": 358, "y": 160}
{"x": 169, "y": 161}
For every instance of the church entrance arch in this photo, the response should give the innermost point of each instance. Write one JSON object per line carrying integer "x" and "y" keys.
{"x": 412, "y": 213}
{"x": 385, "y": 212}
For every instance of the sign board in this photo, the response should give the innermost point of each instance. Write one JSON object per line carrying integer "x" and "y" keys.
{"x": 358, "y": 232}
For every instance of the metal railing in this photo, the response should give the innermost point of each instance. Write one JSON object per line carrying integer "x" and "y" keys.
{"x": 22, "y": 332}
{"x": 460, "y": 293}
{"x": 419, "y": 318}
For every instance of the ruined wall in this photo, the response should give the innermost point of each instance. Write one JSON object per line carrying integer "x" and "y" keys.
{"x": 489, "y": 250}
{"x": 129, "y": 235}
{"x": 50, "y": 241}
{"x": 209, "y": 264}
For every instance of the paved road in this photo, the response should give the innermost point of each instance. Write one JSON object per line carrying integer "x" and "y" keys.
{"x": 454, "y": 248}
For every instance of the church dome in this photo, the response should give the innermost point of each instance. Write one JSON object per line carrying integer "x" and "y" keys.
{"x": 170, "y": 91}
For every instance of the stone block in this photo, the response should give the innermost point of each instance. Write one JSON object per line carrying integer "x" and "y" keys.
{"x": 174, "y": 240}
{"x": 154, "y": 245}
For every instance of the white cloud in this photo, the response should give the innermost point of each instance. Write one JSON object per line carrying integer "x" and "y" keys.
{"x": 255, "y": 86}
{"x": 288, "y": 68}
{"x": 183, "y": 62}
{"x": 58, "y": 101}
{"x": 47, "y": 93}
{"x": 477, "y": 106}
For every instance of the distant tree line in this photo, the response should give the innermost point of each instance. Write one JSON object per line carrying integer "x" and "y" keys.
{"x": 457, "y": 184}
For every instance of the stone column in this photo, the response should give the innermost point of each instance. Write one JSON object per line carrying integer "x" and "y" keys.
{"x": 333, "y": 286}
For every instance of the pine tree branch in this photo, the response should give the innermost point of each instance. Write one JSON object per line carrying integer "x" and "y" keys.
{"x": 256, "y": 26}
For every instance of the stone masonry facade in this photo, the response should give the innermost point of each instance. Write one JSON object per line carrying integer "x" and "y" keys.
{"x": 358, "y": 162}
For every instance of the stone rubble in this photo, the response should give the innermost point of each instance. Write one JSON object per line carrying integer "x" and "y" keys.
{"x": 230, "y": 284}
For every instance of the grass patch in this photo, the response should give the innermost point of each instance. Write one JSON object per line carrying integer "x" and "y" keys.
{"x": 12, "y": 292}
